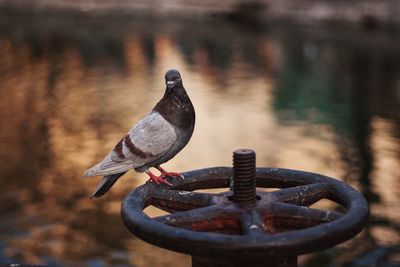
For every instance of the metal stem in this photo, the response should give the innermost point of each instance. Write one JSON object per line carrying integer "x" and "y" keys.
{"x": 244, "y": 177}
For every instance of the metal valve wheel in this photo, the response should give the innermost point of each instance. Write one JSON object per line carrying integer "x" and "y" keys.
{"x": 245, "y": 222}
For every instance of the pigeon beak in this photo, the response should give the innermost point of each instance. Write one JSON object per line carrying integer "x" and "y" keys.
{"x": 170, "y": 83}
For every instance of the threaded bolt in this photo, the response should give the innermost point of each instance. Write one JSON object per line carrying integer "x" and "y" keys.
{"x": 244, "y": 176}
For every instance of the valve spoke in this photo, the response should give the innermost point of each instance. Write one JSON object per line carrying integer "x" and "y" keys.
{"x": 304, "y": 195}
{"x": 212, "y": 219}
{"x": 252, "y": 224}
{"x": 174, "y": 200}
{"x": 289, "y": 216}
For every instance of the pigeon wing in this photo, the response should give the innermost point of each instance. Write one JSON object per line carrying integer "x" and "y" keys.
{"x": 147, "y": 141}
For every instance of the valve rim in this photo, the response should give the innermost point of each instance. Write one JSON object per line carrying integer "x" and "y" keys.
{"x": 290, "y": 243}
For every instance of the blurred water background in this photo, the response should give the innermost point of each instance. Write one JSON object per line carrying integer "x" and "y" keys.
{"x": 320, "y": 98}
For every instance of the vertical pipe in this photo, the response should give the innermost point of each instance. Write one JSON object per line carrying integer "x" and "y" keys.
{"x": 266, "y": 261}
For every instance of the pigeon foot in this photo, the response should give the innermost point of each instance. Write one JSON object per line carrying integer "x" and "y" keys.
{"x": 165, "y": 173}
{"x": 157, "y": 179}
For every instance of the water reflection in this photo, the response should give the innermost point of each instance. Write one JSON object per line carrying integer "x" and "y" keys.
{"x": 316, "y": 100}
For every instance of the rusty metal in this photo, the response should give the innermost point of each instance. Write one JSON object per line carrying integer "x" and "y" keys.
{"x": 226, "y": 229}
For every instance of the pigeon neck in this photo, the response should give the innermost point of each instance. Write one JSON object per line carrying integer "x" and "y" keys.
{"x": 177, "y": 108}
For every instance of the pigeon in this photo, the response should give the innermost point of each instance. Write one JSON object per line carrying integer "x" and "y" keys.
{"x": 154, "y": 140}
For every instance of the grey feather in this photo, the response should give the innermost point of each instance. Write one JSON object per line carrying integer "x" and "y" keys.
{"x": 152, "y": 135}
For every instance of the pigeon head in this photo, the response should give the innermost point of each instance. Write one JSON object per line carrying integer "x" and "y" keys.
{"x": 172, "y": 79}
{"x": 175, "y": 106}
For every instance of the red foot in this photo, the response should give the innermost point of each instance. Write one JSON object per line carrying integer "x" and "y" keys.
{"x": 157, "y": 179}
{"x": 164, "y": 173}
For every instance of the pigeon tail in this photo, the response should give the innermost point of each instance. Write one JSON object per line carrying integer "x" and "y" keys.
{"x": 105, "y": 184}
